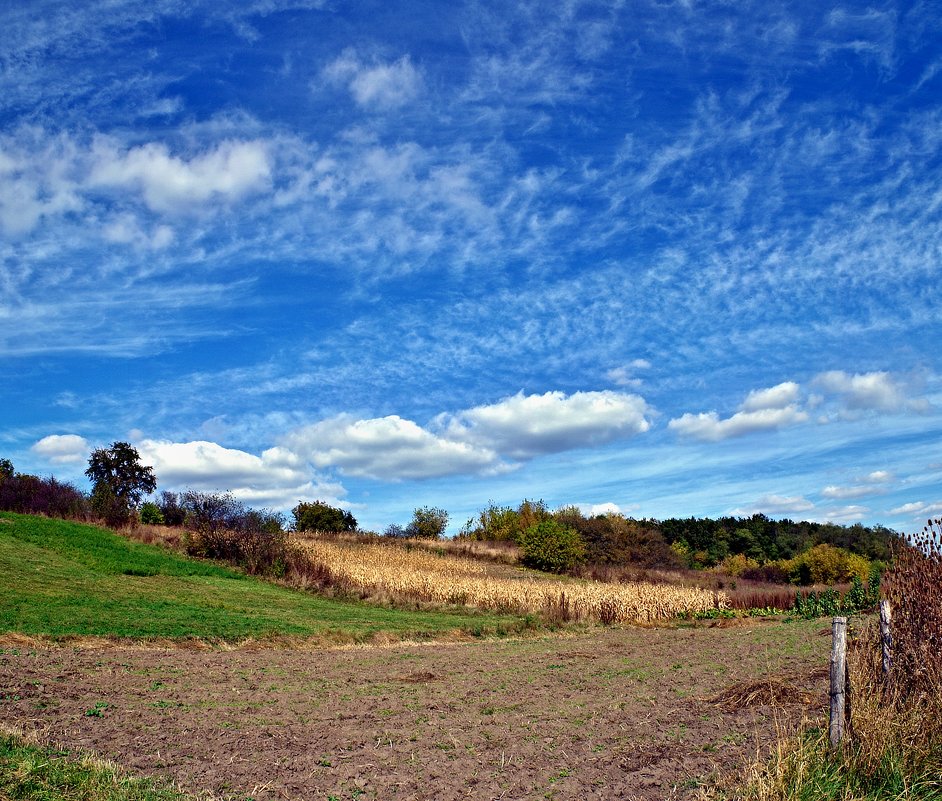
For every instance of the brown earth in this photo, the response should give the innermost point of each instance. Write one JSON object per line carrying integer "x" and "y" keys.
{"x": 629, "y": 713}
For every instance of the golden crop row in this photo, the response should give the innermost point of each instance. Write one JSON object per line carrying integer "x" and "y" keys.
{"x": 451, "y": 580}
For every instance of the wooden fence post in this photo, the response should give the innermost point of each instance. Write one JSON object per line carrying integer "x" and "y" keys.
{"x": 886, "y": 639}
{"x": 838, "y": 679}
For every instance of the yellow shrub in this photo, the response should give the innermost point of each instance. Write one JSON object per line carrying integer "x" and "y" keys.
{"x": 827, "y": 564}
{"x": 735, "y": 564}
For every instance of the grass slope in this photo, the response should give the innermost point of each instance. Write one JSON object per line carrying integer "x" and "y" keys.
{"x": 60, "y": 578}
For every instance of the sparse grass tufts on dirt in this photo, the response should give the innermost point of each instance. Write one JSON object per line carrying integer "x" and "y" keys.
{"x": 44, "y": 773}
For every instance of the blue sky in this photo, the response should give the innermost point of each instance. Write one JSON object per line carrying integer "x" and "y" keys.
{"x": 676, "y": 258}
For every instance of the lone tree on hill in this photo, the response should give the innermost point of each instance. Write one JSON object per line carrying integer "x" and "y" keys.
{"x": 119, "y": 481}
{"x": 428, "y": 522}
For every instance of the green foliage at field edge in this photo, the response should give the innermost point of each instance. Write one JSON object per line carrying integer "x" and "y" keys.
{"x": 807, "y": 769}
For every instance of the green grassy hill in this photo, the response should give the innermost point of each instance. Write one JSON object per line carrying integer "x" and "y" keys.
{"x": 59, "y": 578}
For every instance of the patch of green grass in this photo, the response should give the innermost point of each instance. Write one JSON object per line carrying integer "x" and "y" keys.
{"x": 45, "y": 774}
{"x": 805, "y": 768}
{"x": 59, "y": 578}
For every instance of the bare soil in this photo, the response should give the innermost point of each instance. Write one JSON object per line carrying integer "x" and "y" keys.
{"x": 647, "y": 714}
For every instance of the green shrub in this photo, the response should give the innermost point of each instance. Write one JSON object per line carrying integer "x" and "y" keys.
{"x": 171, "y": 509}
{"x": 151, "y": 514}
{"x": 552, "y": 547}
{"x": 320, "y": 516}
{"x": 613, "y": 539}
{"x": 109, "y": 508}
{"x": 493, "y": 523}
{"x": 428, "y": 523}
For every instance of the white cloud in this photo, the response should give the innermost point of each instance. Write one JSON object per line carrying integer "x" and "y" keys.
{"x": 845, "y": 514}
{"x": 623, "y": 376}
{"x": 871, "y": 484}
{"x": 230, "y": 170}
{"x": 762, "y": 410}
{"x": 859, "y": 391}
{"x": 480, "y": 440}
{"x": 777, "y": 397}
{"x": 776, "y": 505}
{"x": 708, "y": 427}
{"x": 62, "y": 448}
{"x": 878, "y": 477}
{"x": 37, "y": 179}
{"x": 126, "y": 230}
{"x": 780, "y": 406}
{"x": 591, "y": 510}
{"x": 379, "y": 87}
{"x": 918, "y": 509}
{"x": 841, "y": 493}
{"x": 388, "y": 448}
{"x": 277, "y": 478}
{"x": 524, "y": 426}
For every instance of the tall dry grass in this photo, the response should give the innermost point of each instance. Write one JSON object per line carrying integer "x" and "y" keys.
{"x": 438, "y": 577}
{"x": 913, "y": 586}
{"x": 893, "y": 749}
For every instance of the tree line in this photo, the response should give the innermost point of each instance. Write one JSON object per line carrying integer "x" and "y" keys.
{"x": 755, "y": 547}
{"x": 560, "y": 540}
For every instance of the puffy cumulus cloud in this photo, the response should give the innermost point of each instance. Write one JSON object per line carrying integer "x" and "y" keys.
{"x": 860, "y": 391}
{"x": 844, "y": 396}
{"x": 777, "y": 397}
{"x": 524, "y": 426}
{"x": 709, "y": 427}
{"x": 379, "y": 87}
{"x": 388, "y": 448}
{"x": 762, "y": 410}
{"x": 228, "y": 171}
{"x": 776, "y": 505}
{"x": 62, "y": 448}
{"x": 45, "y": 175}
{"x": 480, "y": 440}
{"x": 277, "y": 478}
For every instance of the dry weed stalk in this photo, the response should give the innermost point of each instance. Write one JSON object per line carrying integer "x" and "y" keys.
{"x": 895, "y": 749}
{"x": 913, "y": 587}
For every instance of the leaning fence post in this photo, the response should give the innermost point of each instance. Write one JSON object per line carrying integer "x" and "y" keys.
{"x": 838, "y": 679}
{"x": 886, "y": 639}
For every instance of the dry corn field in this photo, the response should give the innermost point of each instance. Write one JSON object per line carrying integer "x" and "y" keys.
{"x": 446, "y": 579}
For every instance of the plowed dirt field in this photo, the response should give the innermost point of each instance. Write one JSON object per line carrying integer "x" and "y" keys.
{"x": 629, "y": 713}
